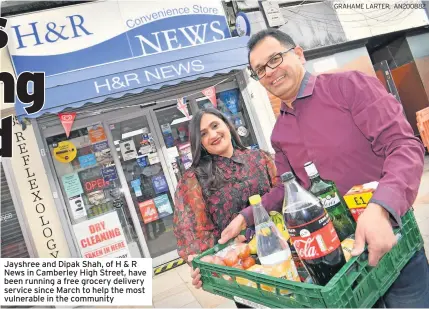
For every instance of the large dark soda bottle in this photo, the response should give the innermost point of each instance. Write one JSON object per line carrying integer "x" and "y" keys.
{"x": 326, "y": 191}
{"x": 311, "y": 231}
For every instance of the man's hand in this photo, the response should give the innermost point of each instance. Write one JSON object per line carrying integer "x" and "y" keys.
{"x": 233, "y": 229}
{"x": 374, "y": 228}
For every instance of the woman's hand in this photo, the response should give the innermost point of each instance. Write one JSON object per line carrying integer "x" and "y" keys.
{"x": 195, "y": 273}
{"x": 233, "y": 229}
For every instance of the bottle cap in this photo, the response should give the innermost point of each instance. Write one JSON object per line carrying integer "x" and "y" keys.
{"x": 311, "y": 169}
{"x": 255, "y": 199}
{"x": 287, "y": 176}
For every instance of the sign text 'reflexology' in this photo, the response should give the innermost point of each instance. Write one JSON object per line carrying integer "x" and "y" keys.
{"x": 29, "y": 88}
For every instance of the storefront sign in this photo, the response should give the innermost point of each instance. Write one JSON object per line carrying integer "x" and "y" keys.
{"x": 72, "y": 186}
{"x": 65, "y": 152}
{"x": 128, "y": 150}
{"x": 242, "y": 24}
{"x": 96, "y": 133}
{"x": 109, "y": 173}
{"x": 36, "y": 195}
{"x": 148, "y": 211}
{"x": 273, "y": 13}
{"x": 102, "y": 237}
{"x": 95, "y": 184}
{"x": 74, "y": 37}
{"x": 77, "y": 207}
{"x": 163, "y": 205}
{"x": 87, "y": 160}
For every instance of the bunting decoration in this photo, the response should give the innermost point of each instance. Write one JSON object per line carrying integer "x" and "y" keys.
{"x": 67, "y": 120}
{"x": 210, "y": 94}
{"x": 181, "y": 106}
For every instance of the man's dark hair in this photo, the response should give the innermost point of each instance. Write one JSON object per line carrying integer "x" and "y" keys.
{"x": 280, "y": 36}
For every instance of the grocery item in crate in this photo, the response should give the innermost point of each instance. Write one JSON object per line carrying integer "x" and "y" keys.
{"x": 279, "y": 222}
{"x": 277, "y": 271}
{"x": 327, "y": 192}
{"x": 358, "y": 196}
{"x": 236, "y": 254}
{"x": 312, "y": 232}
{"x": 273, "y": 249}
{"x": 347, "y": 245}
{"x": 357, "y": 285}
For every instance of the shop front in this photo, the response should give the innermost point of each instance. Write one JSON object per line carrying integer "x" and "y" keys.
{"x": 114, "y": 174}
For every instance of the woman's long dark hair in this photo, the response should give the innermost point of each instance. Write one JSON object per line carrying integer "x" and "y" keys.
{"x": 208, "y": 174}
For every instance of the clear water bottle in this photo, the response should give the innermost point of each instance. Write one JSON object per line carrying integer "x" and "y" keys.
{"x": 272, "y": 248}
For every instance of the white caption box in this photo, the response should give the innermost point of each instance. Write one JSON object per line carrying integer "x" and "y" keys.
{"x": 80, "y": 282}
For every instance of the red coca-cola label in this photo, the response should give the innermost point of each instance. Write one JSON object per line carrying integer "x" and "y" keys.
{"x": 315, "y": 239}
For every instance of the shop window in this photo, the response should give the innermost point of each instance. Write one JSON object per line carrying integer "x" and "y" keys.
{"x": 231, "y": 104}
{"x": 12, "y": 240}
{"x": 93, "y": 194}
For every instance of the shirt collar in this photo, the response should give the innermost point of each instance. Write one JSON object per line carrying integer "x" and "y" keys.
{"x": 305, "y": 89}
{"x": 236, "y": 157}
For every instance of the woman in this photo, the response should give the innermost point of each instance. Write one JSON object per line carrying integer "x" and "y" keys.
{"x": 224, "y": 174}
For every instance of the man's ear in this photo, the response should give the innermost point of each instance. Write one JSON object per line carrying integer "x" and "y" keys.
{"x": 300, "y": 53}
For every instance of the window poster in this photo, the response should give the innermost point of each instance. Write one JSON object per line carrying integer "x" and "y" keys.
{"x": 72, "y": 185}
{"x": 128, "y": 150}
{"x": 77, "y": 207}
{"x": 159, "y": 184}
{"x": 186, "y": 155}
{"x": 94, "y": 237}
{"x": 148, "y": 211}
{"x": 87, "y": 160}
{"x": 109, "y": 173}
{"x": 142, "y": 161}
{"x": 163, "y": 206}
{"x": 96, "y": 133}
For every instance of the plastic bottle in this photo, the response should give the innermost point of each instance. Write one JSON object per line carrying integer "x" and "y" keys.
{"x": 273, "y": 250}
{"x": 312, "y": 232}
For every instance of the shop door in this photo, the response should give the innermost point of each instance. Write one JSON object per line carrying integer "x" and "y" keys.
{"x": 149, "y": 182}
{"x": 92, "y": 191}
{"x": 382, "y": 70}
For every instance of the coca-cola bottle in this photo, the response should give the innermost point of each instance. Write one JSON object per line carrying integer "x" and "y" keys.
{"x": 312, "y": 232}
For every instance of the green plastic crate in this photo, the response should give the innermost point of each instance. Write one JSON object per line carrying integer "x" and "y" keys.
{"x": 356, "y": 285}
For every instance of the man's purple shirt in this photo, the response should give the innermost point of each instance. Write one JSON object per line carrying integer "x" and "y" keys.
{"x": 355, "y": 132}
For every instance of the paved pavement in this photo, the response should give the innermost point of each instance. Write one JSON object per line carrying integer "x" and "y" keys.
{"x": 174, "y": 289}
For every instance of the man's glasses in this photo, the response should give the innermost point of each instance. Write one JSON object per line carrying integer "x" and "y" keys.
{"x": 273, "y": 63}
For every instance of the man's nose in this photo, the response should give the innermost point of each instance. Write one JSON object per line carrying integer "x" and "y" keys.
{"x": 269, "y": 71}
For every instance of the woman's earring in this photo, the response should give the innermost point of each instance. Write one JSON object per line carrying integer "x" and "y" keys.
{"x": 234, "y": 144}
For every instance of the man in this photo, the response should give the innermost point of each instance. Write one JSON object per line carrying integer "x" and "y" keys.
{"x": 355, "y": 132}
